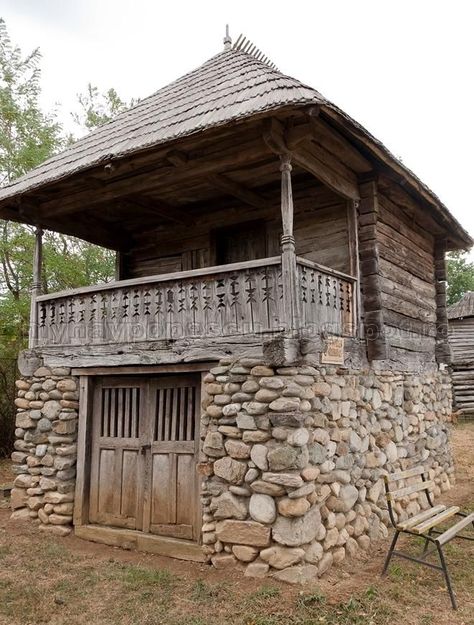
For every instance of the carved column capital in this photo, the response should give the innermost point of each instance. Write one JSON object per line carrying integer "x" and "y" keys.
{"x": 285, "y": 163}
{"x": 287, "y": 242}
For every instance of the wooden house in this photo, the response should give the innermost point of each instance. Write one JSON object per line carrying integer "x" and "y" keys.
{"x": 461, "y": 339}
{"x": 270, "y": 347}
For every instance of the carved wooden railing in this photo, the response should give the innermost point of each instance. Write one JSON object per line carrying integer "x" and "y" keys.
{"x": 327, "y": 300}
{"x": 230, "y": 300}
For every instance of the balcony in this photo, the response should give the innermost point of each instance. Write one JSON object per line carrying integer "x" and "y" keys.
{"x": 224, "y": 301}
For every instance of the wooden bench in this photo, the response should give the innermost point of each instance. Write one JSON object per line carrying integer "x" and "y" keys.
{"x": 425, "y": 524}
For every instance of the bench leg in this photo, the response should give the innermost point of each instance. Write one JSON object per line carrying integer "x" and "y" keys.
{"x": 390, "y": 552}
{"x": 446, "y": 576}
{"x": 427, "y": 542}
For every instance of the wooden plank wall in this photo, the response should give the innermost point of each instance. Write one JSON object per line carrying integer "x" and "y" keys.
{"x": 461, "y": 338}
{"x": 407, "y": 269}
{"x": 321, "y": 232}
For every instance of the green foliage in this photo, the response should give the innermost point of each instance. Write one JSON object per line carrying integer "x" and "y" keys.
{"x": 28, "y": 136}
{"x": 99, "y": 108}
{"x": 460, "y": 276}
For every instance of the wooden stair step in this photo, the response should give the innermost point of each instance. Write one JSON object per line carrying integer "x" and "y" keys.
{"x": 454, "y": 530}
{"x": 436, "y": 520}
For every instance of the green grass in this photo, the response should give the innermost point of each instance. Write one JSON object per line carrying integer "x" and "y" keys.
{"x": 266, "y": 592}
{"x": 138, "y": 578}
{"x": 46, "y": 582}
{"x": 204, "y": 592}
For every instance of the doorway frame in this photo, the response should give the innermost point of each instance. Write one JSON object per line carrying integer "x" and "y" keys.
{"x": 125, "y": 538}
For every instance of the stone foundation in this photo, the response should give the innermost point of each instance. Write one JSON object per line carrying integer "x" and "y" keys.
{"x": 45, "y": 449}
{"x": 293, "y": 459}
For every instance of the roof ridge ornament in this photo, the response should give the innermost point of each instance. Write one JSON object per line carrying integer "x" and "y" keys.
{"x": 227, "y": 39}
{"x": 245, "y": 45}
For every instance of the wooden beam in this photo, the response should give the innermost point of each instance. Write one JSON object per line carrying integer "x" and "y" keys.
{"x": 157, "y": 207}
{"x": 443, "y": 348}
{"x": 289, "y": 269}
{"x": 225, "y": 184}
{"x": 196, "y": 168}
{"x": 316, "y": 160}
{"x": 222, "y": 182}
{"x": 329, "y": 170}
{"x": 177, "y": 158}
{"x": 371, "y": 288}
{"x": 393, "y": 165}
{"x": 109, "y": 236}
{"x": 36, "y": 286}
{"x": 298, "y": 134}
{"x": 274, "y": 136}
{"x": 328, "y": 137}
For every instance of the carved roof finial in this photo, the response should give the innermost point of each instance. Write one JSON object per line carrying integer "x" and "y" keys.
{"x": 227, "y": 39}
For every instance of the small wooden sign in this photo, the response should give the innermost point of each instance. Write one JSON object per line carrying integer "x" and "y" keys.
{"x": 334, "y": 354}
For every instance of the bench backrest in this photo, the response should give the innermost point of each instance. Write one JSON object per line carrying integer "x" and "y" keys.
{"x": 393, "y": 494}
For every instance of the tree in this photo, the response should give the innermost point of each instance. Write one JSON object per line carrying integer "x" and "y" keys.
{"x": 460, "y": 276}
{"x": 28, "y": 136}
{"x": 99, "y": 108}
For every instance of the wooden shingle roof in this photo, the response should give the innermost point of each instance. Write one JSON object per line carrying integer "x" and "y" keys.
{"x": 231, "y": 86}
{"x": 463, "y": 308}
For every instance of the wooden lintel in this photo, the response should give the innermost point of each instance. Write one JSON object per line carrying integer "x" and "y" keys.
{"x": 224, "y": 183}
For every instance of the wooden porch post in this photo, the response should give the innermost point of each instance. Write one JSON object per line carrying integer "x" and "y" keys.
{"x": 288, "y": 249}
{"x": 36, "y": 286}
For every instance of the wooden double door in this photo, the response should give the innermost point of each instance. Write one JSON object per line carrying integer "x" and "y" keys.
{"x": 145, "y": 434}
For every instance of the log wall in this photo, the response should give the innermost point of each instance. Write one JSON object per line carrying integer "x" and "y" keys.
{"x": 320, "y": 228}
{"x": 461, "y": 338}
{"x": 407, "y": 270}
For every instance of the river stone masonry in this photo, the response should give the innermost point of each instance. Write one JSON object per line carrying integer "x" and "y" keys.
{"x": 293, "y": 460}
{"x": 45, "y": 449}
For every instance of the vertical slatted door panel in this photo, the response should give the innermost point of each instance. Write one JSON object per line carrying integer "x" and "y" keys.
{"x": 174, "y": 485}
{"x": 117, "y": 467}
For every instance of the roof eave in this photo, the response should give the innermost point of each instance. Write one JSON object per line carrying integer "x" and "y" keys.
{"x": 460, "y": 238}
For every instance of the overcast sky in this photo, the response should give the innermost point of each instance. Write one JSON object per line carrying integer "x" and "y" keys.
{"x": 402, "y": 68}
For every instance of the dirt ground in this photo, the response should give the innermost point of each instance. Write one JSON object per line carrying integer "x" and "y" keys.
{"x": 45, "y": 580}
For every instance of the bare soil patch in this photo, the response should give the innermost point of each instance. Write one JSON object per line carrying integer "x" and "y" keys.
{"x": 70, "y": 581}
